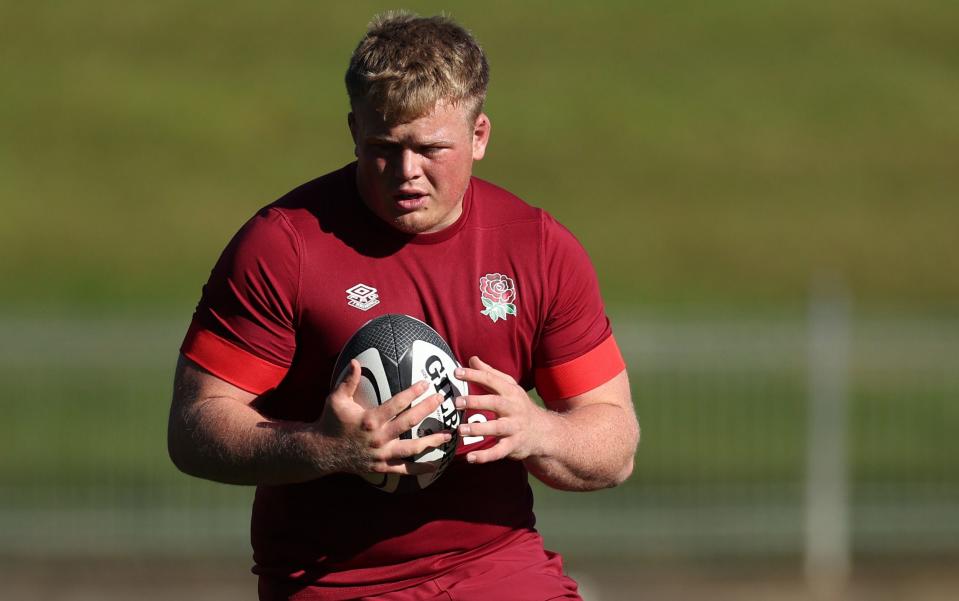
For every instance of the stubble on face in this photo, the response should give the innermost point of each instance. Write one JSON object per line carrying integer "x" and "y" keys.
{"x": 413, "y": 175}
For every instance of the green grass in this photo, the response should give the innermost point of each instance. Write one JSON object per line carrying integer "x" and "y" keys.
{"x": 905, "y": 430}
{"x": 704, "y": 153}
{"x": 79, "y": 425}
{"x": 94, "y": 438}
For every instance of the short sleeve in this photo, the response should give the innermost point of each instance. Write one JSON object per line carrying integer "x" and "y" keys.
{"x": 576, "y": 350}
{"x": 243, "y": 330}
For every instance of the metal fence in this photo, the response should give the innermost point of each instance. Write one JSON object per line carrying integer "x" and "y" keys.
{"x": 728, "y": 463}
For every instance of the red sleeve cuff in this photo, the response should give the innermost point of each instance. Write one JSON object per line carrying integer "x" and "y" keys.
{"x": 229, "y": 362}
{"x": 582, "y": 374}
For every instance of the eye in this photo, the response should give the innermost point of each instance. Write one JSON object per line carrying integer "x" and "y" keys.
{"x": 432, "y": 150}
{"x": 380, "y": 148}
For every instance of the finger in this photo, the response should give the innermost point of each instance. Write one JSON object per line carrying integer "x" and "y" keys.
{"x": 486, "y": 402}
{"x": 496, "y": 452}
{"x": 487, "y": 379}
{"x": 477, "y": 363}
{"x": 404, "y": 467}
{"x": 412, "y": 447}
{"x": 401, "y": 400}
{"x": 409, "y": 419}
{"x": 497, "y": 428}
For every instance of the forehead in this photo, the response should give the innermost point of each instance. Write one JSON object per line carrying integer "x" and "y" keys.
{"x": 444, "y": 120}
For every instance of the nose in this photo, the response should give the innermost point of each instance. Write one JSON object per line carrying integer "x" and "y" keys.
{"x": 408, "y": 165}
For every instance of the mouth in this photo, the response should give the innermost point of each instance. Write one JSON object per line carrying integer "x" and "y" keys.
{"x": 410, "y": 201}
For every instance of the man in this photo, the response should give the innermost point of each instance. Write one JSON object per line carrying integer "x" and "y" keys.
{"x": 404, "y": 229}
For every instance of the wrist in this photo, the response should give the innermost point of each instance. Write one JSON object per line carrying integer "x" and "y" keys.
{"x": 306, "y": 451}
{"x": 322, "y": 454}
{"x": 549, "y": 430}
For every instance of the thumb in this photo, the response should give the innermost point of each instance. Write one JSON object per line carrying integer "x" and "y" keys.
{"x": 348, "y": 386}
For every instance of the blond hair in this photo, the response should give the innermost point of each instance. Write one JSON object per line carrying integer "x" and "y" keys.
{"x": 405, "y": 64}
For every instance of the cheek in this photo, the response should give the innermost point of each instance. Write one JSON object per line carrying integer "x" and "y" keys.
{"x": 371, "y": 158}
{"x": 450, "y": 173}
{"x": 378, "y": 162}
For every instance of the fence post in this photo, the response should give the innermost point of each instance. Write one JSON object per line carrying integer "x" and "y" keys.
{"x": 827, "y": 544}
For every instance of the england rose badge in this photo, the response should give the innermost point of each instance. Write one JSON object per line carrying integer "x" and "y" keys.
{"x": 498, "y": 292}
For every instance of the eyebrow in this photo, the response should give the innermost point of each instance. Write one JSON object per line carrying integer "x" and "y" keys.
{"x": 376, "y": 139}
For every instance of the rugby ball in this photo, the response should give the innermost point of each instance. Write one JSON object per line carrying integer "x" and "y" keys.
{"x": 395, "y": 351}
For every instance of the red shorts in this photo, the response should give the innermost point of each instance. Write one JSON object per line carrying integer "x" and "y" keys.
{"x": 523, "y": 571}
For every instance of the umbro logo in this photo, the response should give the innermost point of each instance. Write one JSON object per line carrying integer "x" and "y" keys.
{"x": 362, "y": 297}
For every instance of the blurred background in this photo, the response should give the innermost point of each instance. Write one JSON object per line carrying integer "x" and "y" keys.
{"x": 769, "y": 191}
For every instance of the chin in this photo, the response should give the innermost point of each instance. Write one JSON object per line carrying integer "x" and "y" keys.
{"x": 409, "y": 224}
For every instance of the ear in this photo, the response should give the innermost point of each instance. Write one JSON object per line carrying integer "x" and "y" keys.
{"x": 481, "y": 133}
{"x": 351, "y": 122}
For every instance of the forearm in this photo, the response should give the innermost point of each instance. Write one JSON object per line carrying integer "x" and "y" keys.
{"x": 226, "y": 441}
{"x": 587, "y": 448}
{"x": 216, "y": 433}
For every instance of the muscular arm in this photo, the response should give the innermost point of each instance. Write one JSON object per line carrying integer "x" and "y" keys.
{"x": 589, "y": 440}
{"x": 586, "y": 442}
{"x": 215, "y": 433}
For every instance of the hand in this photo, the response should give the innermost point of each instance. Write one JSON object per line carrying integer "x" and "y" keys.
{"x": 368, "y": 440}
{"x": 520, "y": 423}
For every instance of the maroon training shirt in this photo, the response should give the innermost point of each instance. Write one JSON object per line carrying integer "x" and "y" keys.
{"x": 505, "y": 282}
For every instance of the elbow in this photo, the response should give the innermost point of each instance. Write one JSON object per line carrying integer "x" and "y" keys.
{"x": 187, "y": 461}
{"x": 176, "y": 452}
{"x": 626, "y": 472}
{"x": 596, "y": 481}
{"x": 614, "y": 476}
{"x": 622, "y": 475}
{"x": 627, "y": 466}
{"x": 180, "y": 450}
